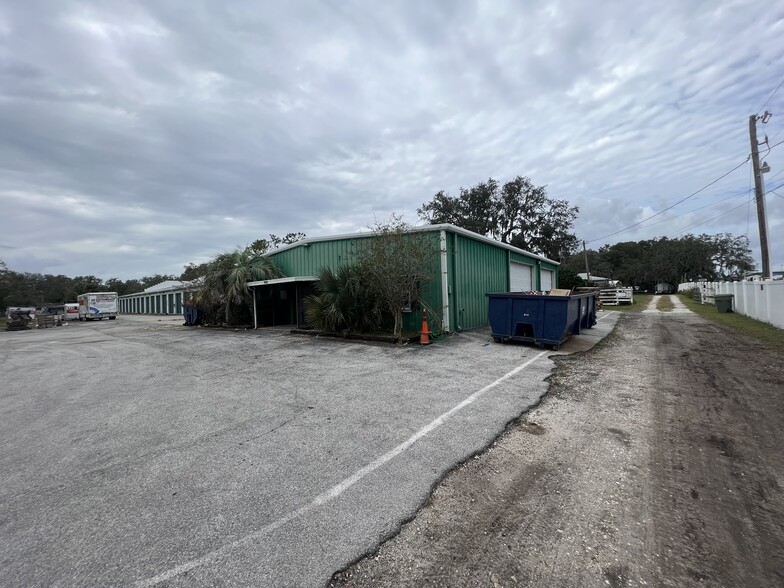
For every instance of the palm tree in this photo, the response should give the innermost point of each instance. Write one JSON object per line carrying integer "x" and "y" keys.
{"x": 226, "y": 281}
{"x": 343, "y": 302}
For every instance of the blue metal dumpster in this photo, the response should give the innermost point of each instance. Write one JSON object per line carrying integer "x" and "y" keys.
{"x": 540, "y": 319}
{"x": 192, "y": 315}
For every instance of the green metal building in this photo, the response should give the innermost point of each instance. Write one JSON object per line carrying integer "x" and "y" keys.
{"x": 465, "y": 266}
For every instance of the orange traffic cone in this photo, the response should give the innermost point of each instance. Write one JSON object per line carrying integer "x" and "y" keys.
{"x": 424, "y": 336}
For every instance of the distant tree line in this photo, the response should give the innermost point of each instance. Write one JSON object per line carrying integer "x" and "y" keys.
{"x": 35, "y": 289}
{"x": 646, "y": 263}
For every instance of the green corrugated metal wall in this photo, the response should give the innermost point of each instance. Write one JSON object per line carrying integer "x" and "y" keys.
{"x": 431, "y": 291}
{"x": 513, "y": 256}
{"x": 475, "y": 268}
{"x": 307, "y": 260}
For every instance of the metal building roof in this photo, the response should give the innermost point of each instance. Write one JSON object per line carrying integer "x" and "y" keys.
{"x": 422, "y": 229}
{"x": 167, "y": 285}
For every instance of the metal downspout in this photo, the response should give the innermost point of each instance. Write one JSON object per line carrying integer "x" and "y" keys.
{"x": 456, "y": 289}
{"x": 444, "y": 283}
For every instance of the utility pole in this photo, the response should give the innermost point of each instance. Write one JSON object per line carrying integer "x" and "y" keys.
{"x": 587, "y": 271}
{"x": 760, "y": 194}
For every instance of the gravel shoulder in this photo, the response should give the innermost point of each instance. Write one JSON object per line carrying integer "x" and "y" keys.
{"x": 654, "y": 460}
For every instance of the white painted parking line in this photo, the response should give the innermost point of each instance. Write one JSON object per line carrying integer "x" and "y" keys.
{"x": 336, "y": 490}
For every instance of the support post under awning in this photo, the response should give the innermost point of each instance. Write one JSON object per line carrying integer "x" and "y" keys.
{"x": 255, "y": 319}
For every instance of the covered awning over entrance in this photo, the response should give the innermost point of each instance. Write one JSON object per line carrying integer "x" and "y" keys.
{"x": 281, "y": 301}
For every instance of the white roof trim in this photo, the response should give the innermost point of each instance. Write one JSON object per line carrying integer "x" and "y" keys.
{"x": 421, "y": 229}
{"x": 281, "y": 281}
{"x": 165, "y": 285}
{"x": 183, "y": 287}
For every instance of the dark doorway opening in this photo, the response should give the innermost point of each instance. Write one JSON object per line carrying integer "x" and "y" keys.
{"x": 282, "y": 303}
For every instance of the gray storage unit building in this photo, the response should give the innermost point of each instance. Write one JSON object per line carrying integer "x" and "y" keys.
{"x": 164, "y": 298}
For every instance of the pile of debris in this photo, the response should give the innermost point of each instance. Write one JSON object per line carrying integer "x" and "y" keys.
{"x": 46, "y": 321}
{"x": 20, "y": 320}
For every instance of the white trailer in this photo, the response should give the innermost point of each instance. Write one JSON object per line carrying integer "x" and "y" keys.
{"x": 96, "y": 305}
{"x": 71, "y": 311}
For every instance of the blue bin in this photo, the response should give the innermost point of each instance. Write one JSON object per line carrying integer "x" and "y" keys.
{"x": 192, "y": 315}
{"x": 540, "y": 319}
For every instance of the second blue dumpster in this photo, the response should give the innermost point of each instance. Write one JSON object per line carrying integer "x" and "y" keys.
{"x": 540, "y": 319}
{"x": 192, "y": 315}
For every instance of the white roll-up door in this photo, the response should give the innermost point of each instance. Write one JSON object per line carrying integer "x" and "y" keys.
{"x": 520, "y": 277}
{"x": 547, "y": 280}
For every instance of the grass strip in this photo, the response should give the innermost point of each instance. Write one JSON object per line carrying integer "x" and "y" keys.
{"x": 771, "y": 336}
{"x": 640, "y": 302}
{"x": 665, "y": 304}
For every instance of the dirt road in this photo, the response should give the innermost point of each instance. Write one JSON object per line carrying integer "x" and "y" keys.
{"x": 657, "y": 459}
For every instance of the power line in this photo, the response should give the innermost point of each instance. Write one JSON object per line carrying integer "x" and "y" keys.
{"x": 772, "y": 146}
{"x": 771, "y": 96}
{"x": 721, "y": 177}
{"x": 730, "y": 197}
{"x": 705, "y": 222}
{"x": 746, "y": 200}
{"x": 772, "y": 189}
{"x": 777, "y": 133}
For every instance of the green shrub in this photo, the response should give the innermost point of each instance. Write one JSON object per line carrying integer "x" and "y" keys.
{"x": 343, "y": 302}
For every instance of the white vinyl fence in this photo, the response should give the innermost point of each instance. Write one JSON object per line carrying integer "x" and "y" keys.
{"x": 762, "y": 300}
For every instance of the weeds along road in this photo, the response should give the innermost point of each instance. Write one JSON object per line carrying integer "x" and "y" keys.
{"x": 655, "y": 460}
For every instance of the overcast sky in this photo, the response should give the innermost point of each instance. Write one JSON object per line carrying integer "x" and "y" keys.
{"x": 137, "y": 137}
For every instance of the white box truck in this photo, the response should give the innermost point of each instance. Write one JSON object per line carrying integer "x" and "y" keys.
{"x": 96, "y": 305}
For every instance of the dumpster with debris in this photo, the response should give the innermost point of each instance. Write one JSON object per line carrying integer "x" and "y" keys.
{"x": 724, "y": 302}
{"x": 543, "y": 320}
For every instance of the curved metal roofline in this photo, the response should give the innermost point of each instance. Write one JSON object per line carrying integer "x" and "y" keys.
{"x": 421, "y": 229}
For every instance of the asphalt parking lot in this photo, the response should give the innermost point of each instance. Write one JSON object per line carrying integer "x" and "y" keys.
{"x": 140, "y": 452}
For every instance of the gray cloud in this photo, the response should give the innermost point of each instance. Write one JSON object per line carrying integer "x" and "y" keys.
{"x": 138, "y": 137}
